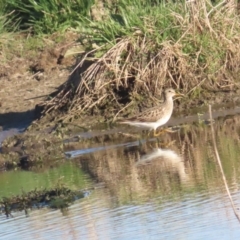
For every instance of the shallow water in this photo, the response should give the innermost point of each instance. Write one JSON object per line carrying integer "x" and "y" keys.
{"x": 165, "y": 188}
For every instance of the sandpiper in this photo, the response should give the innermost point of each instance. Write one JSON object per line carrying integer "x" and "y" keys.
{"x": 155, "y": 117}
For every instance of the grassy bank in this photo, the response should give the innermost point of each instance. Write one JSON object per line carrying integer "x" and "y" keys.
{"x": 133, "y": 49}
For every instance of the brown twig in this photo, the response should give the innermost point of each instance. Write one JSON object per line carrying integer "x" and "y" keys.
{"x": 220, "y": 165}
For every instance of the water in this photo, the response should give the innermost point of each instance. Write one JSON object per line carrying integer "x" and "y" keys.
{"x": 141, "y": 188}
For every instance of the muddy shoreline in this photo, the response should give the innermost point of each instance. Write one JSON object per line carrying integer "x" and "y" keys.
{"x": 47, "y": 148}
{"x": 14, "y": 114}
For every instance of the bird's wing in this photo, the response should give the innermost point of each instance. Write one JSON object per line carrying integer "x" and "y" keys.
{"x": 149, "y": 115}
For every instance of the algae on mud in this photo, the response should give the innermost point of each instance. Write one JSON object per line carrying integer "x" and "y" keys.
{"x": 59, "y": 197}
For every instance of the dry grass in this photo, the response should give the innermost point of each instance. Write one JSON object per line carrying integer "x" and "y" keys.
{"x": 126, "y": 70}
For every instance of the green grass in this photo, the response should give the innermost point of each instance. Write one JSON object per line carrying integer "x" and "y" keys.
{"x": 122, "y": 17}
{"x": 47, "y": 16}
{"x": 135, "y": 17}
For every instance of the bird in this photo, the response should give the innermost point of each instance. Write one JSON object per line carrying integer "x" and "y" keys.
{"x": 154, "y": 117}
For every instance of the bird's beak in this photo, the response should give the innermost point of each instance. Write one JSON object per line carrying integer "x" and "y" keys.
{"x": 179, "y": 95}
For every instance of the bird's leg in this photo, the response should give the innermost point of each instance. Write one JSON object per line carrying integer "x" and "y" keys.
{"x": 159, "y": 133}
{"x": 169, "y": 130}
{"x": 154, "y": 133}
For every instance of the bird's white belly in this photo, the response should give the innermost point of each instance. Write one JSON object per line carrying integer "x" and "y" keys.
{"x": 163, "y": 120}
{"x": 150, "y": 125}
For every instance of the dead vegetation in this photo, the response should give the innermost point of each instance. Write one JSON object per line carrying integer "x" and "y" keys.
{"x": 59, "y": 197}
{"x": 134, "y": 70}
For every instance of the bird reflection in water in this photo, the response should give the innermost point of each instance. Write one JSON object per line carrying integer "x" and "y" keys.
{"x": 168, "y": 159}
